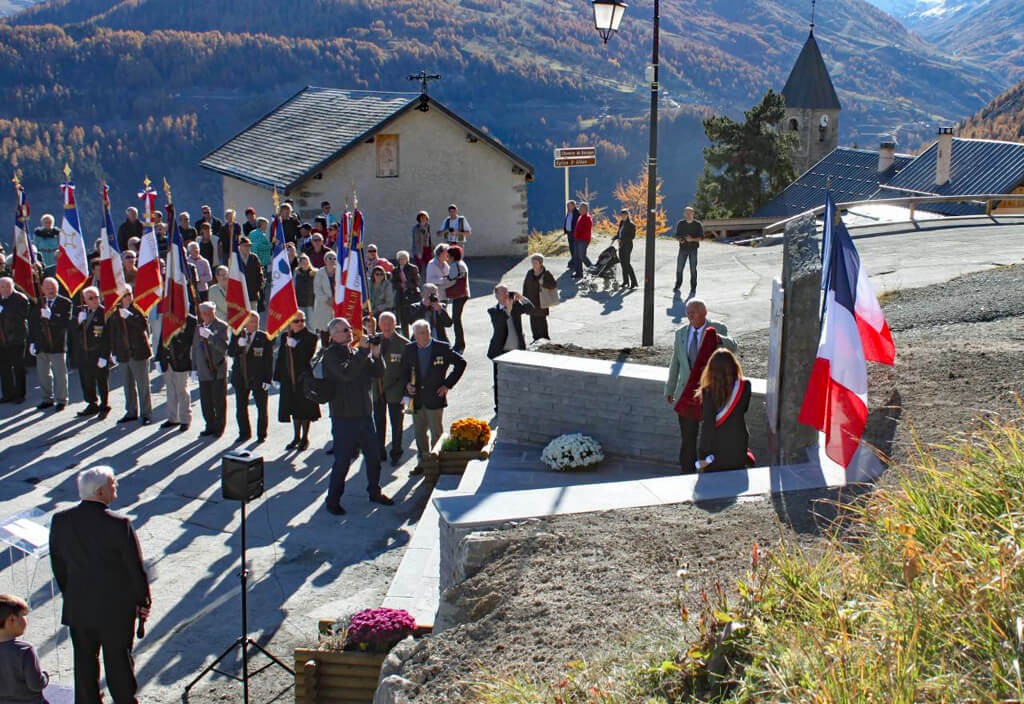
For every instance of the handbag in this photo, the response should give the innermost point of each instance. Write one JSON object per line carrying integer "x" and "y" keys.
{"x": 459, "y": 289}
{"x": 549, "y": 297}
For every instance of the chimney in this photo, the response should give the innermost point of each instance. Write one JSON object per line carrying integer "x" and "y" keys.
{"x": 886, "y": 154}
{"x": 944, "y": 156}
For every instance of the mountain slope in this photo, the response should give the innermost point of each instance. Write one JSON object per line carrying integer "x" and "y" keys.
{"x": 1003, "y": 118}
{"x": 534, "y": 73}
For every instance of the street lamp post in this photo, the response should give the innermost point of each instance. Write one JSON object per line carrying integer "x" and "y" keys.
{"x": 607, "y": 16}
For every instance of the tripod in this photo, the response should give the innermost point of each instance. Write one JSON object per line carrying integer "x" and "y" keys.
{"x": 244, "y": 641}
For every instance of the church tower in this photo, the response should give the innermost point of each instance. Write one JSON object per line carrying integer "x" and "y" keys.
{"x": 812, "y": 106}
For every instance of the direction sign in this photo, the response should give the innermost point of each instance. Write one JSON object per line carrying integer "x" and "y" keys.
{"x": 575, "y": 161}
{"x": 575, "y": 152}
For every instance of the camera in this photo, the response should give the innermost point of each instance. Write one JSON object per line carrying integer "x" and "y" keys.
{"x": 434, "y": 298}
{"x": 375, "y": 339}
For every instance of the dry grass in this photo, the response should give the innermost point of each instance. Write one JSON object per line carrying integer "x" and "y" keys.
{"x": 920, "y": 600}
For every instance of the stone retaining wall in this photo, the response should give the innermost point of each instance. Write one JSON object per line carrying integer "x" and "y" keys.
{"x": 621, "y": 405}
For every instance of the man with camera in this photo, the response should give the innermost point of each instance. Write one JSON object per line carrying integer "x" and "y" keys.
{"x": 431, "y": 310}
{"x": 507, "y": 324}
{"x": 349, "y": 372}
{"x": 455, "y": 228}
{"x": 425, "y": 371}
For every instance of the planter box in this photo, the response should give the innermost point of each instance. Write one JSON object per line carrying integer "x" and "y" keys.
{"x": 448, "y": 462}
{"x": 336, "y": 677}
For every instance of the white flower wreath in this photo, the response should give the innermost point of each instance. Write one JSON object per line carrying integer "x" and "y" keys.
{"x": 574, "y": 451}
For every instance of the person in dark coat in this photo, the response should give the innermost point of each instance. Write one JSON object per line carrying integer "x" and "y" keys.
{"x": 175, "y": 360}
{"x": 507, "y": 323}
{"x": 625, "y": 236}
{"x": 294, "y": 357}
{"x": 13, "y": 338}
{"x": 726, "y": 396}
{"x": 406, "y": 280}
{"x": 251, "y": 372}
{"x": 430, "y": 368}
{"x": 388, "y": 394}
{"x": 93, "y": 354}
{"x": 350, "y": 372}
{"x": 97, "y": 564}
{"x": 430, "y": 309}
{"x": 130, "y": 349}
{"x": 131, "y": 227}
{"x": 48, "y": 327}
{"x": 538, "y": 277}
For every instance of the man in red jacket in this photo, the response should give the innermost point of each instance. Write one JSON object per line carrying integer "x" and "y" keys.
{"x": 581, "y": 240}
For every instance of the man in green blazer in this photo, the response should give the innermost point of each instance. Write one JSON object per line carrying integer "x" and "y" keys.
{"x": 684, "y": 352}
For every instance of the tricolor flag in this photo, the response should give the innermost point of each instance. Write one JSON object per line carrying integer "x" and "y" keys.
{"x": 23, "y": 269}
{"x": 148, "y": 282}
{"x": 853, "y": 332}
{"x": 238, "y": 292}
{"x": 283, "y": 304}
{"x": 348, "y": 289}
{"x": 72, "y": 264}
{"x": 174, "y": 305}
{"x": 112, "y": 282}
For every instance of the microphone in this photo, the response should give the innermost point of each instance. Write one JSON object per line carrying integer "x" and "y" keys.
{"x": 140, "y": 632}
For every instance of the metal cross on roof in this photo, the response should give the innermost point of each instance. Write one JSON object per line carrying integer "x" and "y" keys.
{"x": 423, "y": 77}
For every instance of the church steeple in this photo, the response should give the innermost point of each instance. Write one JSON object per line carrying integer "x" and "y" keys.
{"x": 812, "y": 106}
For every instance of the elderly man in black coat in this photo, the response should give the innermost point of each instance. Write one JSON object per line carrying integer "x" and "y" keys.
{"x": 97, "y": 564}
{"x": 13, "y": 336}
{"x": 507, "y": 321}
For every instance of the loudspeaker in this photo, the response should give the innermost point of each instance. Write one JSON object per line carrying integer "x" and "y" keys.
{"x": 241, "y": 476}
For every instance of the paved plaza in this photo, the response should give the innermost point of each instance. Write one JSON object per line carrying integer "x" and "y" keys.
{"x": 305, "y": 564}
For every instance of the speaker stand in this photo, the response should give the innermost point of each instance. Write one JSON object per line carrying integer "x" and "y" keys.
{"x": 243, "y": 641}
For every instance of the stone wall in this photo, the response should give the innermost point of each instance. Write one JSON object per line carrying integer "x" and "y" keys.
{"x": 621, "y": 405}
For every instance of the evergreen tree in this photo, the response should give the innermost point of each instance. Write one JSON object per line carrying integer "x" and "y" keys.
{"x": 748, "y": 163}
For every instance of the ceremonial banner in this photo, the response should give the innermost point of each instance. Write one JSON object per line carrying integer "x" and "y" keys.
{"x": 148, "y": 282}
{"x": 23, "y": 269}
{"x": 112, "y": 282}
{"x": 853, "y": 332}
{"x": 72, "y": 264}
{"x": 238, "y": 292}
{"x": 283, "y": 303}
{"x": 348, "y": 291}
{"x": 174, "y": 306}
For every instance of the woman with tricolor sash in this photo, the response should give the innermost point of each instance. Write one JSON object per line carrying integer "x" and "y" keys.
{"x": 725, "y": 394}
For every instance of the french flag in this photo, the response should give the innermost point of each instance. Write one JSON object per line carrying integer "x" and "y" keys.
{"x": 112, "y": 281}
{"x": 174, "y": 305}
{"x": 148, "y": 282}
{"x": 238, "y": 293}
{"x": 72, "y": 265}
{"x": 283, "y": 303}
{"x": 348, "y": 288}
{"x": 23, "y": 267}
{"x": 853, "y": 333}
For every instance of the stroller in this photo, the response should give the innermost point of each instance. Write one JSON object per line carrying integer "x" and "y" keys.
{"x": 603, "y": 270}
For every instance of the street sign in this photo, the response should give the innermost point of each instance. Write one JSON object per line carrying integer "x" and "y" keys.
{"x": 567, "y": 162}
{"x": 573, "y": 152}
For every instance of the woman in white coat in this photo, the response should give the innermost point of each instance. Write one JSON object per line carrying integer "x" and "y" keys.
{"x": 323, "y": 296}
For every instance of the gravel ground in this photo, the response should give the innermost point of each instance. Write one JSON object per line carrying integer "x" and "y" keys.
{"x": 575, "y": 586}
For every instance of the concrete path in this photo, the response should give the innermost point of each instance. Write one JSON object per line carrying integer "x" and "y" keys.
{"x": 305, "y": 564}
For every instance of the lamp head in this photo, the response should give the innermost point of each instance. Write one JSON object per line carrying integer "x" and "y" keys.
{"x": 607, "y": 16}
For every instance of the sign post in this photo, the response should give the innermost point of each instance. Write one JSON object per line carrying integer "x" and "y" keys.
{"x": 573, "y": 157}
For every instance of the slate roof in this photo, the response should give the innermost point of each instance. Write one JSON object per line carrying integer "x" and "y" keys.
{"x": 316, "y": 127}
{"x": 809, "y": 85}
{"x": 853, "y": 174}
{"x": 978, "y": 167}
